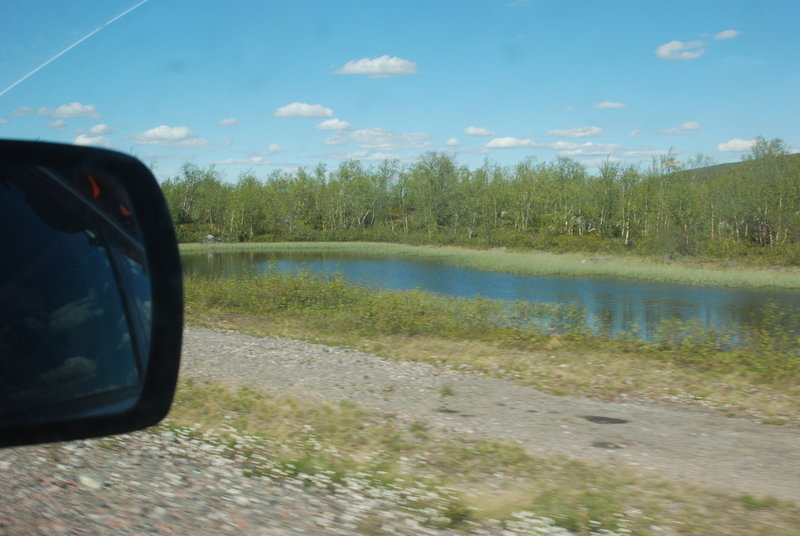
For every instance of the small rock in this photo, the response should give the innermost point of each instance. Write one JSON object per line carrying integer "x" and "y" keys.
{"x": 91, "y": 482}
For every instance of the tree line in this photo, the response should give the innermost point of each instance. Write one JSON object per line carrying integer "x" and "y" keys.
{"x": 688, "y": 208}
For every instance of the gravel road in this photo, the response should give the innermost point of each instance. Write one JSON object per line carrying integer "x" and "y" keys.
{"x": 168, "y": 483}
{"x": 691, "y": 445}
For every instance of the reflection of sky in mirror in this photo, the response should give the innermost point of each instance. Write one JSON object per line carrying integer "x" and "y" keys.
{"x": 62, "y": 327}
{"x": 613, "y": 304}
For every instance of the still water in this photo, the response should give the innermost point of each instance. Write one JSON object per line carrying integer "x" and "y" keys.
{"x": 613, "y": 305}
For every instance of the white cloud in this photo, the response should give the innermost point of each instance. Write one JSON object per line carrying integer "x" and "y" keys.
{"x": 368, "y": 156}
{"x": 566, "y": 148}
{"x": 678, "y": 50}
{"x": 683, "y": 130}
{"x": 478, "y": 131}
{"x": 100, "y": 129}
{"x": 380, "y": 139}
{"x": 301, "y": 109}
{"x": 509, "y": 143}
{"x": 643, "y": 153}
{"x": 70, "y": 111}
{"x": 228, "y": 122}
{"x": 570, "y": 109}
{"x": 560, "y": 145}
{"x": 3, "y": 121}
{"x": 22, "y": 112}
{"x": 380, "y": 67}
{"x": 228, "y": 161}
{"x": 608, "y": 105}
{"x": 58, "y": 124}
{"x": 453, "y": 142}
{"x": 636, "y": 133}
{"x": 83, "y": 139}
{"x": 727, "y": 34}
{"x": 588, "y": 148}
{"x": 254, "y": 160}
{"x": 332, "y": 124}
{"x": 152, "y": 157}
{"x": 469, "y": 150}
{"x": 735, "y": 145}
{"x": 579, "y": 132}
{"x": 170, "y": 137}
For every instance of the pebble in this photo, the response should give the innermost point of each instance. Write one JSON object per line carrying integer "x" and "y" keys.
{"x": 90, "y": 482}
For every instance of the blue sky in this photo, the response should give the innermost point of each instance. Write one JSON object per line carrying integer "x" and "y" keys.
{"x": 287, "y": 84}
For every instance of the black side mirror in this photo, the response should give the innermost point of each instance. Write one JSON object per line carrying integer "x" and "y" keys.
{"x": 91, "y": 305}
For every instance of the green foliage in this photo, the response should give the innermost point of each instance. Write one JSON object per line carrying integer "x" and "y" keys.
{"x": 748, "y": 209}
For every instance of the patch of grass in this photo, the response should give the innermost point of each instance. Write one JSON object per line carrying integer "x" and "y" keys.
{"x": 690, "y": 272}
{"x": 419, "y": 430}
{"x": 760, "y": 503}
{"x": 447, "y": 390}
{"x": 452, "y": 481}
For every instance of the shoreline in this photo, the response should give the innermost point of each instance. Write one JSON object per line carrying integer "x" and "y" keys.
{"x": 538, "y": 263}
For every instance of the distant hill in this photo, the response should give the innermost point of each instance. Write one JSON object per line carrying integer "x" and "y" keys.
{"x": 706, "y": 173}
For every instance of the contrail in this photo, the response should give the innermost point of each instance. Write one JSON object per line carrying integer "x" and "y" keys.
{"x": 73, "y": 45}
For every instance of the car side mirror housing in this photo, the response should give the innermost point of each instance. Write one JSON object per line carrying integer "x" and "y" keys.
{"x": 91, "y": 302}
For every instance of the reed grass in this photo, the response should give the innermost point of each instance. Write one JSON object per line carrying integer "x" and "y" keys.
{"x": 331, "y": 303}
{"x": 689, "y": 271}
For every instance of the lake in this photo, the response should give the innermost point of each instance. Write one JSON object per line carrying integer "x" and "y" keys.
{"x": 613, "y": 305}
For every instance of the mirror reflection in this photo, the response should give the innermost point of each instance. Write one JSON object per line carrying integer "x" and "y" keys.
{"x": 75, "y": 308}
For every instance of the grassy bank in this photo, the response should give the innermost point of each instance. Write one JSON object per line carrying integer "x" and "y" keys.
{"x": 685, "y": 363}
{"x": 687, "y": 271}
{"x": 455, "y": 482}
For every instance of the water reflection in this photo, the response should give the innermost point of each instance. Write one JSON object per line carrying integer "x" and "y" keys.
{"x": 613, "y": 305}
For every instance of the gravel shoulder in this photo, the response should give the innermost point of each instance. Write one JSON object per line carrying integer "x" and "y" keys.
{"x": 690, "y": 445}
{"x": 167, "y": 482}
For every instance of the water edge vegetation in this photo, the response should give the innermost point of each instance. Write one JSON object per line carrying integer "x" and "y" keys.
{"x": 687, "y": 271}
{"x": 550, "y": 347}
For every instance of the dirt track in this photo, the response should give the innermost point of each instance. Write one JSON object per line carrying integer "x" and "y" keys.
{"x": 700, "y": 447}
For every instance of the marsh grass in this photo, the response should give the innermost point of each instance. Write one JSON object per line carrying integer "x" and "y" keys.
{"x": 691, "y": 271}
{"x": 329, "y": 304}
{"x": 451, "y": 481}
